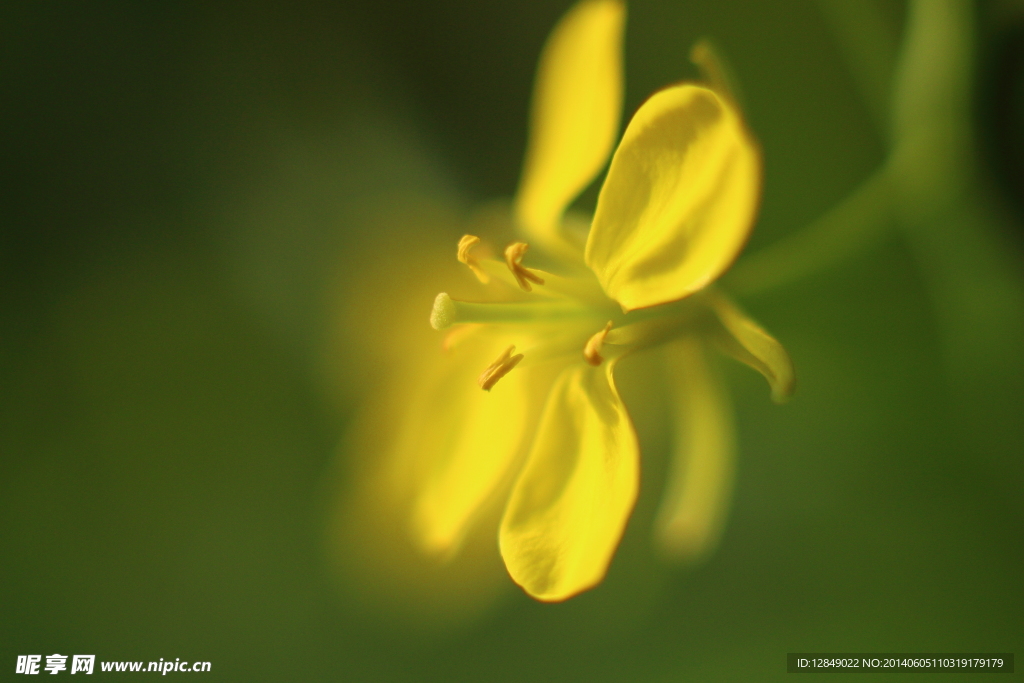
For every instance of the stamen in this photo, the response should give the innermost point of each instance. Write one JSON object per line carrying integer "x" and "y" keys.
{"x": 499, "y": 368}
{"x": 513, "y": 256}
{"x": 592, "y": 349}
{"x": 466, "y": 245}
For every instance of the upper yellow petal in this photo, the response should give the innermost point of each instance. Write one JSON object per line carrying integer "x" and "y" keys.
{"x": 747, "y": 342}
{"x": 679, "y": 201}
{"x": 464, "y": 441}
{"x": 700, "y": 478}
{"x": 570, "y": 504}
{"x": 577, "y": 101}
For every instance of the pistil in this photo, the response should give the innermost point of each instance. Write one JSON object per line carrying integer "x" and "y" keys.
{"x": 448, "y": 312}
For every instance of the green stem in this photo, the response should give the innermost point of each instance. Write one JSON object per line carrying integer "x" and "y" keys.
{"x": 848, "y": 228}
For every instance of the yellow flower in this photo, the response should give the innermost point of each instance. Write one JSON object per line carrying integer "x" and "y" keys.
{"x": 543, "y": 427}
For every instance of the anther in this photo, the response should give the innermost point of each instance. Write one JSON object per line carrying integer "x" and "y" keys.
{"x": 513, "y": 259}
{"x": 499, "y": 368}
{"x": 592, "y": 349}
{"x": 466, "y": 245}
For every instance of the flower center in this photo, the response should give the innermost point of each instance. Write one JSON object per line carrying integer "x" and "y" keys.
{"x": 557, "y": 320}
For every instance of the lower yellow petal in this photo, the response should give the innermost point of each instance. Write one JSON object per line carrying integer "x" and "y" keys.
{"x": 463, "y": 441}
{"x": 696, "y": 500}
{"x": 570, "y": 505}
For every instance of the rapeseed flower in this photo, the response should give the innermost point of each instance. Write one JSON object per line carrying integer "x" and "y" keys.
{"x": 523, "y": 410}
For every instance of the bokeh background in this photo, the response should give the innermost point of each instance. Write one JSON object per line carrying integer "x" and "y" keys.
{"x": 209, "y": 212}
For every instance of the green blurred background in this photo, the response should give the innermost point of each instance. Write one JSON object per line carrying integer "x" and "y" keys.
{"x": 191, "y": 196}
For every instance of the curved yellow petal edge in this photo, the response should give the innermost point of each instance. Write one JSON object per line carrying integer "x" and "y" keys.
{"x": 747, "y": 342}
{"x": 465, "y": 446}
{"x": 570, "y": 505}
{"x": 679, "y": 201}
{"x": 577, "y": 103}
{"x": 700, "y": 479}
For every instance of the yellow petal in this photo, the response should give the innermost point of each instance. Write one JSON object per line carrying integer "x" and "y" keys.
{"x": 570, "y": 505}
{"x": 699, "y": 488}
{"x": 577, "y": 101}
{"x": 679, "y": 201}
{"x": 463, "y": 441}
{"x": 745, "y": 340}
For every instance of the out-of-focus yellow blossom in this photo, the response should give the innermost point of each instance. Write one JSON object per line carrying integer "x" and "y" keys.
{"x": 523, "y": 408}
